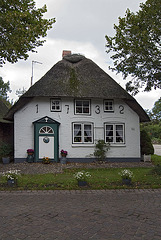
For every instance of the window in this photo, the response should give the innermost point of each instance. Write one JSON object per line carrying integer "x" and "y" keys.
{"x": 114, "y": 133}
{"x": 108, "y": 106}
{"x": 82, "y": 133}
{"x": 82, "y": 107}
{"x": 46, "y": 130}
{"x": 55, "y": 105}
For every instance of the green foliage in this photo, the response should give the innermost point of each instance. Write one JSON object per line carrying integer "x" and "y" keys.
{"x": 153, "y": 130}
{"x": 145, "y": 143}
{"x": 101, "y": 148}
{"x": 22, "y": 27}
{"x": 156, "y": 159}
{"x": 156, "y": 111}
{"x": 5, "y": 149}
{"x": 157, "y": 169}
{"x": 136, "y": 47}
{"x": 4, "y": 89}
{"x": 101, "y": 178}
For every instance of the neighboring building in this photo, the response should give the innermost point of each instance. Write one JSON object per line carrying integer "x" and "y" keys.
{"x": 71, "y": 107}
{"x": 6, "y": 127}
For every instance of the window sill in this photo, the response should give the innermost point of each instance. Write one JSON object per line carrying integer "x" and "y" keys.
{"x": 83, "y": 144}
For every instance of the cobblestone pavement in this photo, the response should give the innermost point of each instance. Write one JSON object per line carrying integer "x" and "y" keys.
{"x": 81, "y": 215}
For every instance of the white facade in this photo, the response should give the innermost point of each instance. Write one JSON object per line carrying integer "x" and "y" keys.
{"x": 40, "y": 107}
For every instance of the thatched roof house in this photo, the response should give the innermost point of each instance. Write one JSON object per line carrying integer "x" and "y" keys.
{"x": 78, "y": 77}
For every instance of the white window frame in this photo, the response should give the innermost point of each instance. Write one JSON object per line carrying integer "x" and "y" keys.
{"x": 108, "y": 101}
{"x": 82, "y": 136}
{"x": 115, "y": 136}
{"x": 57, "y": 105}
{"x": 82, "y": 106}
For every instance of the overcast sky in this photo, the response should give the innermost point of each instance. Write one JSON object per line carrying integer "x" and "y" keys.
{"x": 81, "y": 26}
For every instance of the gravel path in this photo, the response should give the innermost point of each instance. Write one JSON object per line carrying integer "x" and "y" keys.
{"x": 35, "y": 168}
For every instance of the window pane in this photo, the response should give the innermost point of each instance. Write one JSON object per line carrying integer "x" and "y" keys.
{"x": 82, "y": 106}
{"x": 87, "y": 133}
{"x": 108, "y": 105}
{"x": 109, "y": 133}
{"x": 55, "y": 105}
{"x": 77, "y": 133}
{"x": 119, "y": 133}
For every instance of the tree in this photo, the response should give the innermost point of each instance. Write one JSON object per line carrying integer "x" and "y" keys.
{"x": 4, "y": 89}
{"x": 156, "y": 111}
{"x": 136, "y": 47}
{"x": 22, "y": 29}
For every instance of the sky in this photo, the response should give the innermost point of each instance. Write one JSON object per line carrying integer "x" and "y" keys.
{"x": 80, "y": 27}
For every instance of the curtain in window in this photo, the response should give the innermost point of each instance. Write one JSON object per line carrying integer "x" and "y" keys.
{"x": 119, "y": 133}
{"x": 109, "y": 133}
{"x": 87, "y": 133}
{"x": 77, "y": 133}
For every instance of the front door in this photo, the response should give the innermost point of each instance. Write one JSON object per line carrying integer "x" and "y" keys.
{"x": 46, "y": 143}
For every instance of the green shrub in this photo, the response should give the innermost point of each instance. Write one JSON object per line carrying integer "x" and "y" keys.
{"x": 5, "y": 149}
{"x": 157, "y": 169}
{"x": 145, "y": 143}
{"x": 101, "y": 148}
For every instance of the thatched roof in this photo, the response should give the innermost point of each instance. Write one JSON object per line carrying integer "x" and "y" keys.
{"x": 78, "y": 77}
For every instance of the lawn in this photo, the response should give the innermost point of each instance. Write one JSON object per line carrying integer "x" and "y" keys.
{"x": 101, "y": 178}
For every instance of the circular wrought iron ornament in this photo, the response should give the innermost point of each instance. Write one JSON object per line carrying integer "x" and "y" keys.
{"x": 46, "y": 140}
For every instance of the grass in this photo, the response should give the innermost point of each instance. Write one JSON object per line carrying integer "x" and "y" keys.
{"x": 101, "y": 178}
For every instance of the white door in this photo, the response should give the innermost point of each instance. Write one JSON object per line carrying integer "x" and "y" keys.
{"x": 46, "y": 146}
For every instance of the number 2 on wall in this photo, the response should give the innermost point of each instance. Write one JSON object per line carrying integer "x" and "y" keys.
{"x": 121, "y": 107}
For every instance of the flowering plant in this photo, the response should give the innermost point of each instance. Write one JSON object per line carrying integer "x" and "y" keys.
{"x": 126, "y": 174}
{"x": 82, "y": 175}
{"x": 63, "y": 152}
{"x": 11, "y": 174}
{"x": 30, "y": 150}
{"x": 46, "y": 160}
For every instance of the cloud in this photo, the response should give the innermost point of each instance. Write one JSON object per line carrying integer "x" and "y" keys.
{"x": 81, "y": 27}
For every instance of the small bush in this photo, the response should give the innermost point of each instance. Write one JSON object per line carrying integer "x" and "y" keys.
{"x": 145, "y": 143}
{"x": 101, "y": 148}
{"x": 157, "y": 169}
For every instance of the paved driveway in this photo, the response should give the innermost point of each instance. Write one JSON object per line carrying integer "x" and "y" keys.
{"x": 74, "y": 215}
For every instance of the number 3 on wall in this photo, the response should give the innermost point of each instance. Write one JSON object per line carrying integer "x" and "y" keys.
{"x": 121, "y": 107}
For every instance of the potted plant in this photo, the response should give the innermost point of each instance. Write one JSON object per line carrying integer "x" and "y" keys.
{"x": 46, "y": 160}
{"x": 11, "y": 177}
{"x": 5, "y": 152}
{"x": 63, "y": 159}
{"x": 126, "y": 176}
{"x": 30, "y": 155}
{"x": 82, "y": 177}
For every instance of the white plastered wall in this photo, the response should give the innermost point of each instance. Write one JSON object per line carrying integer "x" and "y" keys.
{"x": 24, "y": 129}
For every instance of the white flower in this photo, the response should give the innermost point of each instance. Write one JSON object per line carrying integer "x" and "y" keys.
{"x": 126, "y": 174}
{"x": 82, "y": 175}
{"x": 11, "y": 174}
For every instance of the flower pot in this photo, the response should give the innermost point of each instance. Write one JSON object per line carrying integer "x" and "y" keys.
{"x": 30, "y": 157}
{"x": 11, "y": 182}
{"x": 63, "y": 160}
{"x": 82, "y": 183}
{"x": 126, "y": 181}
{"x": 6, "y": 160}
